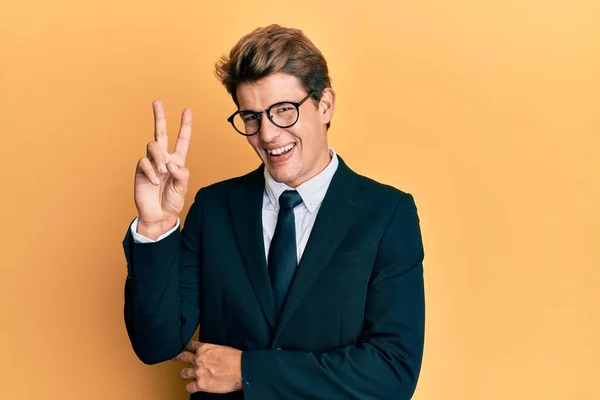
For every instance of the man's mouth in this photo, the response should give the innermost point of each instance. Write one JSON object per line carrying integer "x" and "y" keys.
{"x": 281, "y": 150}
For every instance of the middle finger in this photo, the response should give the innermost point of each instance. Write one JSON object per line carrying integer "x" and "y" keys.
{"x": 187, "y": 373}
{"x": 160, "y": 124}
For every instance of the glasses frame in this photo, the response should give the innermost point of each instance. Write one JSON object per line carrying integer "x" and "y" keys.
{"x": 259, "y": 115}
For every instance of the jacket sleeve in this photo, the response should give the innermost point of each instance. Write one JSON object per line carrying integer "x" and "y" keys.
{"x": 162, "y": 290}
{"x": 386, "y": 361}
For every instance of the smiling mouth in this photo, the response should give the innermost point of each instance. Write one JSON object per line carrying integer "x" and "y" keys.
{"x": 281, "y": 150}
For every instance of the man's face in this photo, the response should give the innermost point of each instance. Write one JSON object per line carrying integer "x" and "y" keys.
{"x": 301, "y": 151}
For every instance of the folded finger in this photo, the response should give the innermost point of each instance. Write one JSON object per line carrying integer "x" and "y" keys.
{"x": 186, "y": 357}
{"x": 145, "y": 167}
{"x": 193, "y": 346}
{"x": 187, "y": 373}
{"x": 192, "y": 387}
{"x": 156, "y": 154}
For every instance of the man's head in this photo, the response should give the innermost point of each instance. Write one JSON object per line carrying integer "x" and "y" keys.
{"x": 269, "y": 66}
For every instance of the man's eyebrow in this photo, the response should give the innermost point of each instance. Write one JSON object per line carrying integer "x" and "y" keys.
{"x": 258, "y": 112}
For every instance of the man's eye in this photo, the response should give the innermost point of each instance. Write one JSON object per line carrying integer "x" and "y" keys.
{"x": 249, "y": 117}
{"x": 284, "y": 109}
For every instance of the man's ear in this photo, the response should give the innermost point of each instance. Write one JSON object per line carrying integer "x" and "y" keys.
{"x": 327, "y": 105}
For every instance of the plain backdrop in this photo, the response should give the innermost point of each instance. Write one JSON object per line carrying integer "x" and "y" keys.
{"x": 486, "y": 111}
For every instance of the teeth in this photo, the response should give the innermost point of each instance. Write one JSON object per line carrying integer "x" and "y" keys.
{"x": 281, "y": 150}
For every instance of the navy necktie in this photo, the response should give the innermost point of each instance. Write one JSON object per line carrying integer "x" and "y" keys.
{"x": 283, "y": 258}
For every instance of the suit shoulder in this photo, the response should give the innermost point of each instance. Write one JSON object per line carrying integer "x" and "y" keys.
{"x": 382, "y": 192}
{"x": 388, "y": 202}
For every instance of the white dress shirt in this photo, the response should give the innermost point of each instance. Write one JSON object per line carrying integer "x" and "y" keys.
{"x": 312, "y": 193}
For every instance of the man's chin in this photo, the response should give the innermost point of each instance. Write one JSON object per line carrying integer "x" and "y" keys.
{"x": 281, "y": 175}
{"x": 281, "y": 178}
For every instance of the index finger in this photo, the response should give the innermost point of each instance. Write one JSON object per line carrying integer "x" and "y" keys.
{"x": 186, "y": 357}
{"x": 185, "y": 133}
{"x": 160, "y": 125}
{"x": 193, "y": 346}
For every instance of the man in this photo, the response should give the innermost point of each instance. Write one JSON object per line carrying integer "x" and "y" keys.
{"x": 306, "y": 278}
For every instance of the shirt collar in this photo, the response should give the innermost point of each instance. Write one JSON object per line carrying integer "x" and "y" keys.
{"x": 312, "y": 191}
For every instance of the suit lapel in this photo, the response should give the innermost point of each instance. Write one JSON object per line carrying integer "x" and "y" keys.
{"x": 245, "y": 202}
{"x": 337, "y": 213}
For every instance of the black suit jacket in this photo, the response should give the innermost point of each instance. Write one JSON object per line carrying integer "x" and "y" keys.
{"x": 352, "y": 326}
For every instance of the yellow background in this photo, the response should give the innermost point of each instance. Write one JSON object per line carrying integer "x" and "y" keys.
{"x": 488, "y": 112}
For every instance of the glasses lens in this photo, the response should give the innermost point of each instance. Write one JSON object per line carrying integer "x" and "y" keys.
{"x": 284, "y": 114}
{"x": 246, "y": 122}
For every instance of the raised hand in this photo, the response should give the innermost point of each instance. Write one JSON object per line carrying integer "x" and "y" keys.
{"x": 161, "y": 179}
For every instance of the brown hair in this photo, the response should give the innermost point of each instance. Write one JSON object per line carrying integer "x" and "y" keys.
{"x": 270, "y": 50}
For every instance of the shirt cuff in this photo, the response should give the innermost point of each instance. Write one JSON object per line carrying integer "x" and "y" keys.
{"x": 137, "y": 238}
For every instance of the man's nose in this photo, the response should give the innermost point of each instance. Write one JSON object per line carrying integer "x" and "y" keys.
{"x": 268, "y": 131}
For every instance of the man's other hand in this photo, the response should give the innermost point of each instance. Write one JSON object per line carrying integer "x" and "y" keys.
{"x": 214, "y": 368}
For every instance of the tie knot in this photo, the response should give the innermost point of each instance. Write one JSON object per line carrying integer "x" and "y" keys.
{"x": 289, "y": 199}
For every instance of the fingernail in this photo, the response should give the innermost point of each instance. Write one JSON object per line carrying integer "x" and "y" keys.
{"x": 175, "y": 167}
{"x": 156, "y": 181}
{"x": 162, "y": 169}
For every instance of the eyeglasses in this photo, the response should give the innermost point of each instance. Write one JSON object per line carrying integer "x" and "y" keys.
{"x": 283, "y": 115}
